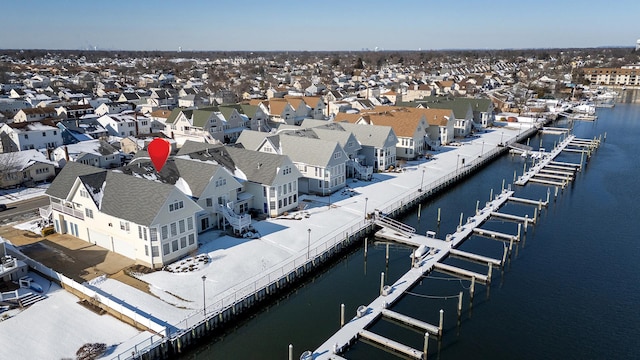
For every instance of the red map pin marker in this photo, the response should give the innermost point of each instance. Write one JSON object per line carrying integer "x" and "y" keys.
{"x": 159, "y": 152}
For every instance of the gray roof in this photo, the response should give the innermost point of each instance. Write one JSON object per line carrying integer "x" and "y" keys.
{"x": 196, "y": 173}
{"x": 258, "y": 167}
{"x": 369, "y": 135}
{"x": 251, "y": 139}
{"x": 63, "y": 183}
{"x": 133, "y": 199}
{"x": 306, "y": 150}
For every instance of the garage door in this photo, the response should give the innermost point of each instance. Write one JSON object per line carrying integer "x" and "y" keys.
{"x": 124, "y": 247}
{"x": 100, "y": 239}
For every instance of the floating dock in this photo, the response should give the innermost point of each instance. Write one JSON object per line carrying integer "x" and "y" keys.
{"x": 355, "y": 328}
{"x": 554, "y": 173}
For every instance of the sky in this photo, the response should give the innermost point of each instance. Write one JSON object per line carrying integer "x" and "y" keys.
{"x": 331, "y": 25}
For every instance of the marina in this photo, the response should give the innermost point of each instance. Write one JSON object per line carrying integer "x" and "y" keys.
{"x": 423, "y": 264}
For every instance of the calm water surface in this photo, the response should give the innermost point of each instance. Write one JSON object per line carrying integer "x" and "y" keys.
{"x": 570, "y": 291}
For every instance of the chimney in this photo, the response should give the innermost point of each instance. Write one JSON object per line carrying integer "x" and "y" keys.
{"x": 66, "y": 153}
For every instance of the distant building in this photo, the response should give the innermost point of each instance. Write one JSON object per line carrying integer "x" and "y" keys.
{"x": 638, "y": 45}
{"x": 625, "y": 75}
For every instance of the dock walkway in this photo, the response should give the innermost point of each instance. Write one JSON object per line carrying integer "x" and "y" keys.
{"x": 354, "y": 328}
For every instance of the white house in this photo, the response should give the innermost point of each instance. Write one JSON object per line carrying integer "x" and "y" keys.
{"x": 113, "y": 108}
{"x": 148, "y": 221}
{"x": 35, "y": 114}
{"x": 24, "y": 168}
{"x": 98, "y": 153}
{"x": 29, "y": 135}
{"x": 125, "y": 124}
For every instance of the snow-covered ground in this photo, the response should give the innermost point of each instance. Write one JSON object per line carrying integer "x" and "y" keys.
{"x": 55, "y": 328}
{"x": 235, "y": 263}
{"x": 8, "y": 196}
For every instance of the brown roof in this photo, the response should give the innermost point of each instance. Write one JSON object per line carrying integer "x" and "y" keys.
{"x": 276, "y": 106}
{"x": 40, "y": 110}
{"x": 162, "y": 113}
{"x": 350, "y": 118}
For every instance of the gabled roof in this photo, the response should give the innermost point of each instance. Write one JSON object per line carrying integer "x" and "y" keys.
{"x": 20, "y": 160}
{"x": 258, "y": 167}
{"x": 118, "y": 200}
{"x": 316, "y": 152}
{"x": 64, "y": 181}
{"x": 370, "y": 135}
{"x": 251, "y": 139}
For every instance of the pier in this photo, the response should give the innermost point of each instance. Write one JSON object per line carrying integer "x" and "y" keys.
{"x": 559, "y": 174}
{"x": 431, "y": 260}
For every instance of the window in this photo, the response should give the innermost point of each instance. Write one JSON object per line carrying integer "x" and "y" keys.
{"x": 279, "y": 203}
{"x": 174, "y": 229}
{"x": 183, "y": 242}
{"x": 154, "y": 251}
{"x": 26, "y": 136}
{"x": 165, "y": 232}
{"x": 190, "y": 223}
{"x": 44, "y": 133}
{"x": 192, "y": 239}
{"x": 295, "y": 197}
{"x": 153, "y": 234}
{"x": 176, "y": 206}
{"x": 124, "y": 225}
{"x": 181, "y": 226}
{"x": 174, "y": 245}
{"x": 337, "y": 155}
{"x": 88, "y": 213}
{"x": 209, "y": 202}
{"x": 165, "y": 249}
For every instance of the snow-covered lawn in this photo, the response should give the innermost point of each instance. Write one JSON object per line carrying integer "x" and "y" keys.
{"x": 56, "y": 327}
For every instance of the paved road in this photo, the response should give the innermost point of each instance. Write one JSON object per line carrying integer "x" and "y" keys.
{"x": 24, "y": 209}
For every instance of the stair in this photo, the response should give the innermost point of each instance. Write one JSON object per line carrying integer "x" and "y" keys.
{"x": 394, "y": 225}
{"x": 237, "y": 222}
{"x": 30, "y": 299}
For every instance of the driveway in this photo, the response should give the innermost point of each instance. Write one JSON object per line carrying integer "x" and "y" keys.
{"x": 66, "y": 254}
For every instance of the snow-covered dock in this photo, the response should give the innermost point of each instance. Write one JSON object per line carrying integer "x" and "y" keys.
{"x": 553, "y": 173}
{"x": 430, "y": 261}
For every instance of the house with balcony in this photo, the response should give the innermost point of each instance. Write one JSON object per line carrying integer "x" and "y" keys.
{"x": 322, "y": 163}
{"x": 269, "y": 181}
{"x": 210, "y": 185}
{"x": 148, "y": 221}
{"x": 125, "y": 124}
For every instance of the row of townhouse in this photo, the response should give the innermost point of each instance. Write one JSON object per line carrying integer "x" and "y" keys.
{"x": 155, "y": 218}
{"x": 219, "y": 124}
{"x": 416, "y": 129}
{"x": 292, "y": 110}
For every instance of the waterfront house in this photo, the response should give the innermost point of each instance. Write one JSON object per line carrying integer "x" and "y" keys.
{"x": 147, "y": 221}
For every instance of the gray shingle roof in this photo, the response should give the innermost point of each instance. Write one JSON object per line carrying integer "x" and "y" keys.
{"x": 251, "y": 139}
{"x": 133, "y": 199}
{"x": 258, "y": 167}
{"x": 62, "y": 184}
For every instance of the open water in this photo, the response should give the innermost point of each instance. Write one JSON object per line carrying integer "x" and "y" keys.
{"x": 571, "y": 289}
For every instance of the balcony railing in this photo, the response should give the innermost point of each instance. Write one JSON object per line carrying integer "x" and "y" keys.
{"x": 67, "y": 210}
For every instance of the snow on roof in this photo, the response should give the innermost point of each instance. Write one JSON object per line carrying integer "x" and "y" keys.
{"x": 183, "y": 186}
{"x": 23, "y": 159}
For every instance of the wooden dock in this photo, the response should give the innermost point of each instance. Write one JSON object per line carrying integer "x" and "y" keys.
{"x": 554, "y": 173}
{"x": 355, "y": 328}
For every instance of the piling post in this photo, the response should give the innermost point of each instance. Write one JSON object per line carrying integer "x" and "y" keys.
{"x": 290, "y": 352}
{"x": 528, "y": 140}
{"x": 504, "y": 256}
{"x": 381, "y": 282}
{"x": 472, "y": 288}
{"x": 489, "y": 272}
{"x": 341, "y": 315}
{"x": 461, "y": 215}
{"x": 510, "y": 246}
{"x": 581, "y": 159}
{"x": 548, "y": 194}
{"x": 459, "y": 305}
{"x": 605, "y": 136}
{"x": 519, "y": 228}
{"x": 477, "y": 205}
{"x": 438, "y": 215}
{"x": 535, "y": 216}
{"x": 524, "y": 168}
{"x": 426, "y": 346}
{"x": 526, "y": 222}
{"x": 387, "y": 254}
{"x": 515, "y": 176}
{"x": 365, "y": 246}
{"x": 540, "y": 142}
{"x": 419, "y": 211}
{"x": 441, "y": 324}
{"x": 556, "y": 194}
{"x": 502, "y": 188}
{"x": 491, "y": 195}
